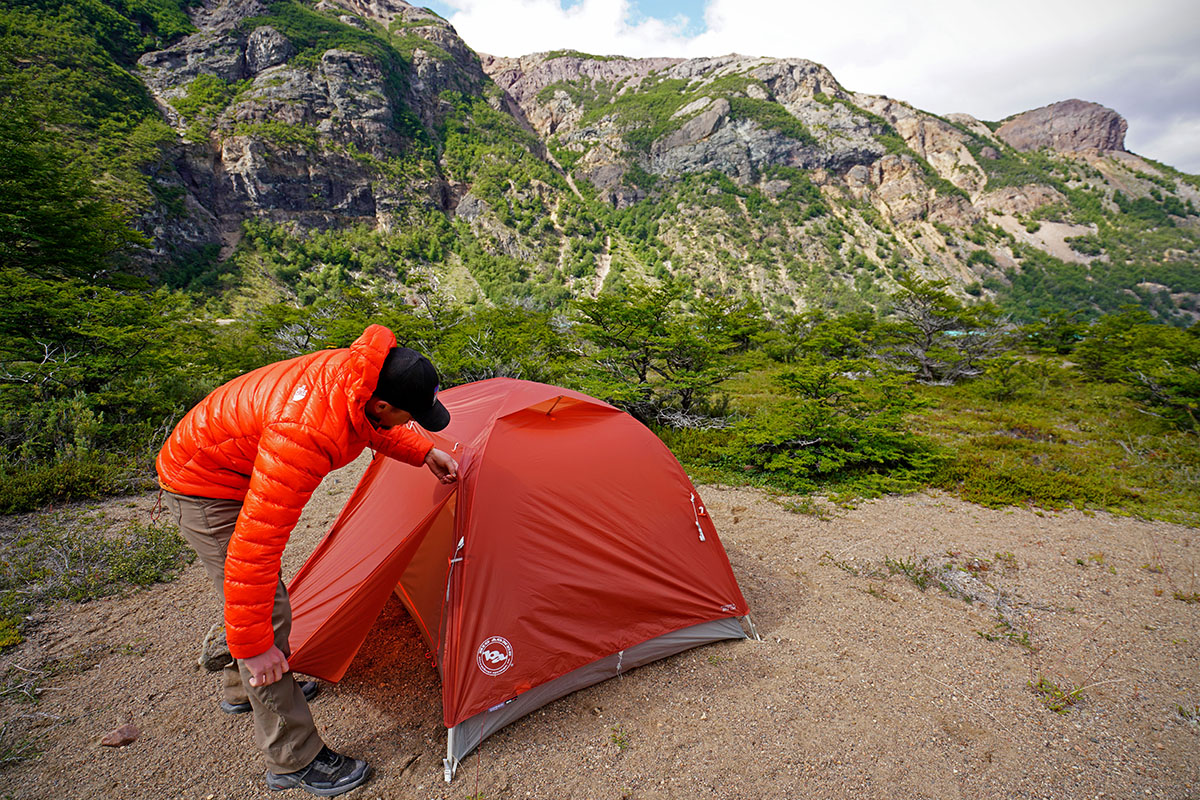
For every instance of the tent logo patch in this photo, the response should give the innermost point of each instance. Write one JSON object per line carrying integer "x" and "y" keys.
{"x": 494, "y": 656}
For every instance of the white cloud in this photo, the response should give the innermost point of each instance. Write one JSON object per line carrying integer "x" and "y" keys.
{"x": 1172, "y": 142}
{"x": 987, "y": 59}
{"x": 603, "y": 27}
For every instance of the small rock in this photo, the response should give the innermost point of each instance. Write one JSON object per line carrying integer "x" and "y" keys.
{"x": 126, "y": 734}
{"x": 214, "y": 652}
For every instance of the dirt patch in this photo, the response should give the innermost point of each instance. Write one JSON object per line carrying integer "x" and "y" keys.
{"x": 864, "y": 685}
{"x": 1050, "y": 237}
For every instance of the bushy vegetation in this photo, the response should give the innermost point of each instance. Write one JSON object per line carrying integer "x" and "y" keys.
{"x": 89, "y": 375}
{"x": 1062, "y": 440}
{"x": 1159, "y": 365}
{"x": 65, "y": 65}
{"x": 836, "y": 429}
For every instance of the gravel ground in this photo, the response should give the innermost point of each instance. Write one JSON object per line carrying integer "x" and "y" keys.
{"x": 864, "y": 686}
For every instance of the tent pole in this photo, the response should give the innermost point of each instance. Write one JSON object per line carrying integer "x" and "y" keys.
{"x": 753, "y": 630}
{"x": 450, "y": 763}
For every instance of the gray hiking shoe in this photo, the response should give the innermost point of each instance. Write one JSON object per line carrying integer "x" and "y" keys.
{"x": 328, "y": 774}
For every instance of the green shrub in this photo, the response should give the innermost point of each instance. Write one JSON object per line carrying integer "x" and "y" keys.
{"x": 1159, "y": 363}
{"x": 90, "y": 377}
{"x": 832, "y": 431}
{"x": 1054, "y": 331}
{"x": 1004, "y": 377}
{"x": 981, "y": 257}
{"x": 1061, "y": 441}
{"x": 1015, "y": 479}
{"x": 281, "y": 134}
{"x": 29, "y": 488}
{"x": 205, "y": 94}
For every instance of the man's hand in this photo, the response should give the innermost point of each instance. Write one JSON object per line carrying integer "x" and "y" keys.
{"x": 443, "y": 467}
{"x": 266, "y": 668}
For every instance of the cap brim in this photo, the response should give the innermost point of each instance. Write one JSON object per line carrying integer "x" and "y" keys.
{"x": 435, "y": 418}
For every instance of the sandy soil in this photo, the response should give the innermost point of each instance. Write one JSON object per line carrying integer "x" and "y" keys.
{"x": 864, "y": 686}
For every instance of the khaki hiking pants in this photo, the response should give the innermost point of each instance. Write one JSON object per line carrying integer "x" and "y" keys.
{"x": 283, "y": 726}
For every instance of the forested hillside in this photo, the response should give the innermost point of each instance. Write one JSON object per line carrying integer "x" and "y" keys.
{"x": 796, "y": 284}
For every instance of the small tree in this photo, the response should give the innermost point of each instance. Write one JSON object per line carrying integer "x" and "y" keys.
{"x": 1159, "y": 363}
{"x": 936, "y": 337}
{"x": 798, "y": 336}
{"x": 656, "y": 361}
{"x": 505, "y": 341}
{"x": 1055, "y": 332}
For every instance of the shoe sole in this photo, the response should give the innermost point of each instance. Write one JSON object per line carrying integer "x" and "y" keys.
{"x": 310, "y": 688}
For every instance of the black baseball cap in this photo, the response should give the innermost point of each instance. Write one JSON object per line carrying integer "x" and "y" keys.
{"x": 409, "y": 382}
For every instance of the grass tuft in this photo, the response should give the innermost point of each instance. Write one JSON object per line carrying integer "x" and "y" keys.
{"x": 1054, "y": 697}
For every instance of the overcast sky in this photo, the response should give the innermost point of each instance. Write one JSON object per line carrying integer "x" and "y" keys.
{"x": 988, "y": 59}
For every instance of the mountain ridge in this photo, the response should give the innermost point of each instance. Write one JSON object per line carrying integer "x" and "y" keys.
{"x": 560, "y": 174}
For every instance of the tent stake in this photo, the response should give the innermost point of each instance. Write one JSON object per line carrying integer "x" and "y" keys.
{"x": 753, "y": 630}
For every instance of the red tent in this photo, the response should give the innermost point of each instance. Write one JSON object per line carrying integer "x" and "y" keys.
{"x": 572, "y": 548}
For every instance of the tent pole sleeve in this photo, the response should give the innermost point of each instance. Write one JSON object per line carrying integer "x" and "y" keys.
{"x": 450, "y": 763}
{"x": 753, "y": 630}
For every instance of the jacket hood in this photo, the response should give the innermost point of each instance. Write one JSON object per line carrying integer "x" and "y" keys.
{"x": 367, "y": 355}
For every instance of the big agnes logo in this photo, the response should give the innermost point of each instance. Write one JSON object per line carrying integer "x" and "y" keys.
{"x": 494, "y": 656}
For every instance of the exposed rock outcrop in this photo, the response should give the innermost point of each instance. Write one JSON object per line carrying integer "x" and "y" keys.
{"x": 432, "y": 72}
{"x": 1019, "y": 201}
{"x": 1069, "y": 126}
{"x": 301, "y": 140}
{"x": 538, "y": 90}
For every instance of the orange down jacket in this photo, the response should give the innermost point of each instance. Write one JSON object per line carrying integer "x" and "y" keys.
{"x": 268, "y": 438}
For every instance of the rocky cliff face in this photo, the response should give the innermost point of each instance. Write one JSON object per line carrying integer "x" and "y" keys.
{"x": 274, "y": 128}
{"x": 572, "y": 173}
{"x": 1069, "y": 126}
{"x": 561, "y": 96}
